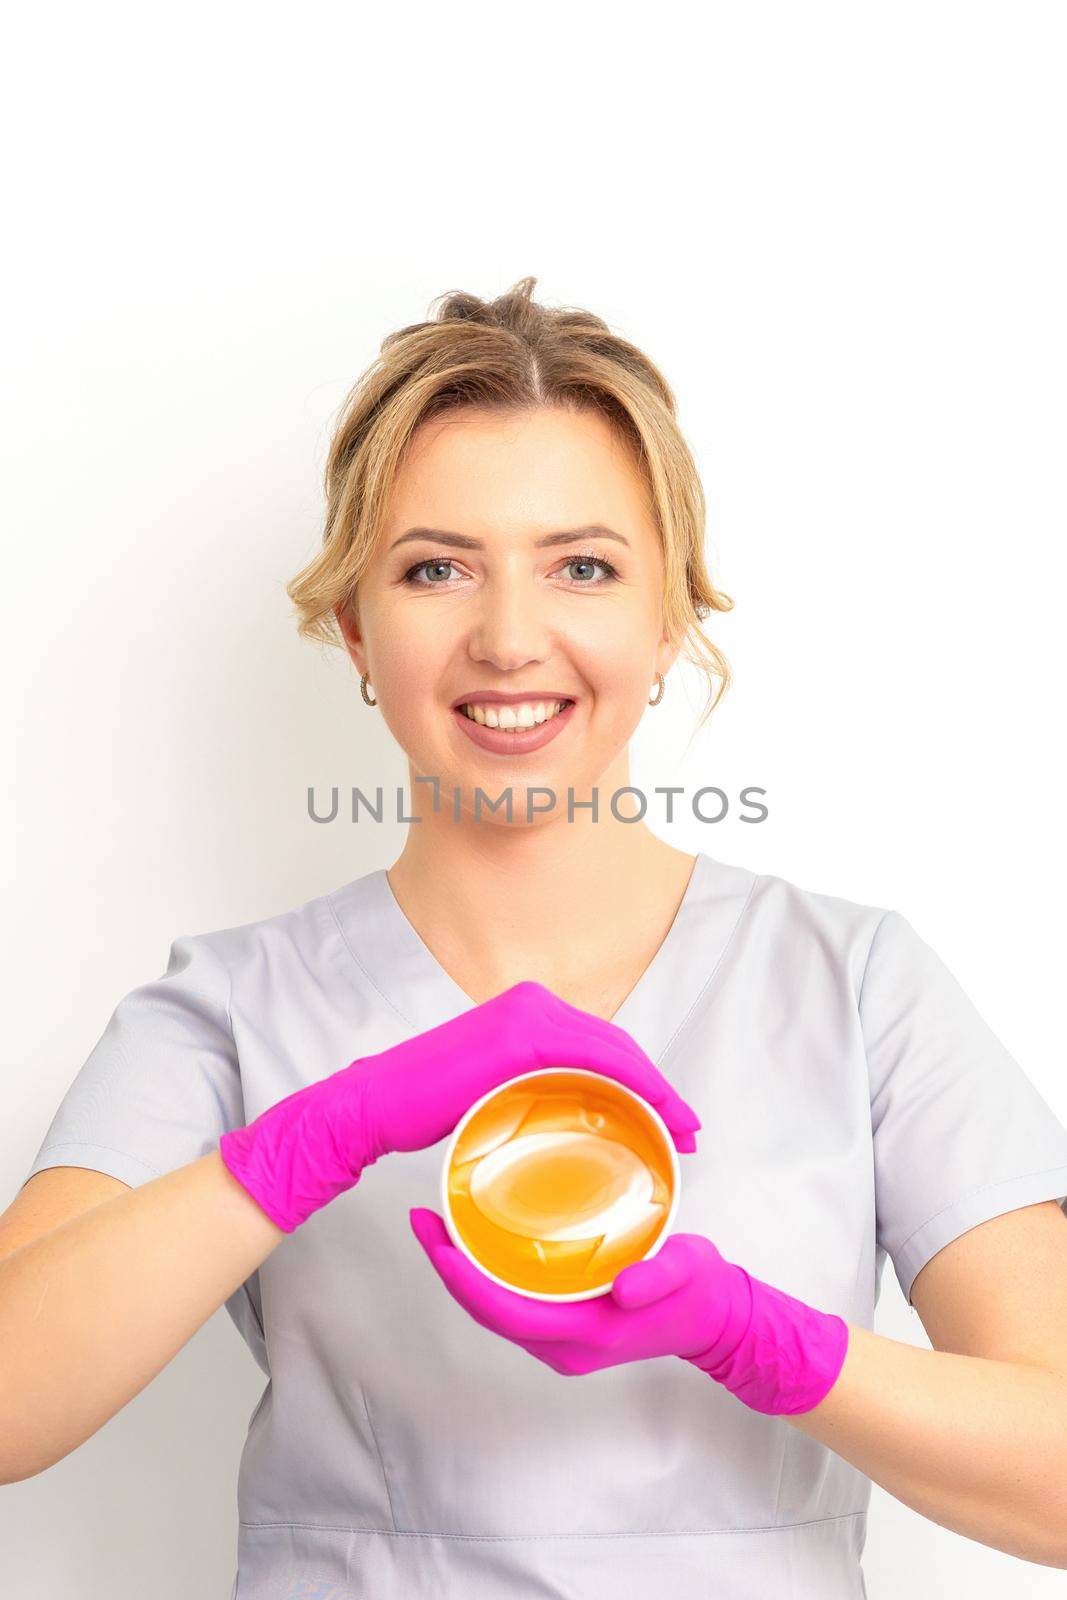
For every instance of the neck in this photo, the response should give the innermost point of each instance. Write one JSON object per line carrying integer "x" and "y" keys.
{"x": 542, "y": 899}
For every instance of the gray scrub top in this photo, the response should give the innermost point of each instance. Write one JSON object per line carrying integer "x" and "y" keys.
{"x": 854, "y": 1105}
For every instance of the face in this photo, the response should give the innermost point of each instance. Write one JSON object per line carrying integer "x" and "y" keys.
{"x": 505, "y": 599}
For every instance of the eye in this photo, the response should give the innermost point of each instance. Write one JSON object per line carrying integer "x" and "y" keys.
{"x": 589, "y": 560}
{"x": 585, "y": 560}
{"x": 420, "y": 566}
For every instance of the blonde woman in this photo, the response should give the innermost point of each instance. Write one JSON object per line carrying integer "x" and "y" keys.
{"x": 514, "y": 535}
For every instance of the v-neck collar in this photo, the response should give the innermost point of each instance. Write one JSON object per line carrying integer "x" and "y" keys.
{"x": 415, "y": 985}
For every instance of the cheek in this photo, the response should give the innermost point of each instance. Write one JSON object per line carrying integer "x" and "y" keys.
{"x": 409, "y": 662}
{"x": 617, "y": 668}
{"x": 406, "y": 682}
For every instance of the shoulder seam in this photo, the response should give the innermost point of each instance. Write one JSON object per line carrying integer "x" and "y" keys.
{"x": 205, "y": 940}
{"x": 867, "y": 962}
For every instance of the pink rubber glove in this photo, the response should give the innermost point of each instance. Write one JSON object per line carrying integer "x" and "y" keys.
{"x": 776, "y": 1354}
{"x": 307, "y": 1148}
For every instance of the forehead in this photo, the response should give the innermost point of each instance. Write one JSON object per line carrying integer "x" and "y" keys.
{"x": 477, "y": 472}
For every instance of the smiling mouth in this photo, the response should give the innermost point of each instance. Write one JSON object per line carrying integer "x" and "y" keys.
{"x": 513, "y": 718}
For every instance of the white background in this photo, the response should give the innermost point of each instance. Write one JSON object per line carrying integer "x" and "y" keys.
{"x": 839, "y": 229}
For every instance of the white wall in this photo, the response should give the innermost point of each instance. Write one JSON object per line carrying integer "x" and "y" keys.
{"x": 839, "y": 230}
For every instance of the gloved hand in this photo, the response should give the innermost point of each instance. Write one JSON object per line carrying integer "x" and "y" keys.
{"x": 310, "y": 1146}
{"x": 776, "y": 1354}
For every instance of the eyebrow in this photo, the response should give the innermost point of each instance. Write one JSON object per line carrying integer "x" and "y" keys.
{"x": 461, "y": 541}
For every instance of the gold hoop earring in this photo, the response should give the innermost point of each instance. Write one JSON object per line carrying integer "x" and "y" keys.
{"x": 659, "y": 693}
{"x": 363, "y": 690}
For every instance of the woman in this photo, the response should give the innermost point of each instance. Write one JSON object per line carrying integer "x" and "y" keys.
{"x": 513, "y": 517}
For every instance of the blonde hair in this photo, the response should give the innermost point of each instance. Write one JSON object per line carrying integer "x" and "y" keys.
{"x": 510, "y": 354}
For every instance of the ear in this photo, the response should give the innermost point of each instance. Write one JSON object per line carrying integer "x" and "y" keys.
{"x": 666, "y": 655}
{"x": 348, "y": 622}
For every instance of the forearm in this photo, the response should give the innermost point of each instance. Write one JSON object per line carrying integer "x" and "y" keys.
{"x": 91, "y": 1311}
{"x": 978, "y": 1446}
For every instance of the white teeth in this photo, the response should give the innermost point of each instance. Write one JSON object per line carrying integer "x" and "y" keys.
{"x": 525, "y": 715}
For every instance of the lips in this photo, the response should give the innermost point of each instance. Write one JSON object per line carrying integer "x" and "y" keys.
{"x": 490, "y": 697}
{"x": 513, "y": 741}
{"x": 512, "y": 714}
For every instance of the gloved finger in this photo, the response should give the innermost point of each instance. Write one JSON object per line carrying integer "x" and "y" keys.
{"x": 638, "y": 1073}
{"x": 566, "y": 1357}
{"x": 512, "y": 1315}
{"x": 658, "y": 1090}
{"x": 575, "y": 1017}
{"x": 644, "y": 1282}
{"x": 428, "y": 1228}
{"x": 584, "y": 1040}
{"x": 503, "y": 1310}
{"x": 432, "y": 1234}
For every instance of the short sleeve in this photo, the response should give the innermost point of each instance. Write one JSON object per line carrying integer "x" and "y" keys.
{"x": 960, "y": 1132}
{"x": 162, "y": 1083}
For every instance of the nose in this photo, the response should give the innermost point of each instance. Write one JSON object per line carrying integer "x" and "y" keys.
{"x": 509, "y": 623}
